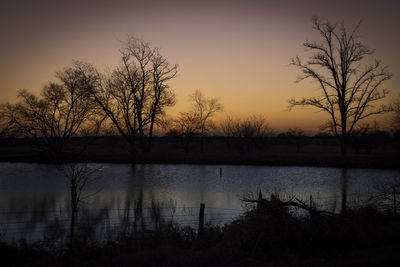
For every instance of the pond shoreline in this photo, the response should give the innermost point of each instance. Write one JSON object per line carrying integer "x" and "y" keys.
{"x": 364, "y": 161}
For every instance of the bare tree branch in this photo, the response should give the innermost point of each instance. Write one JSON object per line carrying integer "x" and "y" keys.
{"x": 349, "y": 94}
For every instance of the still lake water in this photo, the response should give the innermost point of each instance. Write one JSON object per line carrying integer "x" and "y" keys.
{"x": 34, "y": 197}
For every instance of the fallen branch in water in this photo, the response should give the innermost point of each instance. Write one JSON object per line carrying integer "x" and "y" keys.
{"x": 275, "y": 202}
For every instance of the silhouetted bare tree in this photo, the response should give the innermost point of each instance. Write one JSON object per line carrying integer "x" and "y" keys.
{"x": 359, "y": 137}
{"x": 249, "y": 130}
{"x": 135, "y": 94}
{"x": 348, "y": 92}
{"x": 162, "y": 96}
{"x": 296, "y": 136}
{"x": 5, "y": 127}
{"x": 396, "y": 115}
{"x": 205, "y": 109}
{"x": 252, "y": 126}
{"x": 227, "y": 126}
{"x": 187, "y": 124}
{"x": 60, "y": 112}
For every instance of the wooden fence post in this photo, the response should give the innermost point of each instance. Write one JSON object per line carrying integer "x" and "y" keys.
{"x": 201, "y": 221}
{"x": 394, "y": 201}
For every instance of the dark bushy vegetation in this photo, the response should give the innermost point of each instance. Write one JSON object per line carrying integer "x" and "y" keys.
{"x": 268, "y": 235}
{"x": 370, "y": 151}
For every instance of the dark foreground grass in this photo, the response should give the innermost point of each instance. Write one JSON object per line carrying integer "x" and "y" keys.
{"x": 270, "y": 237}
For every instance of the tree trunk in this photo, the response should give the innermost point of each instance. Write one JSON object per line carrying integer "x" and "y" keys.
{"x": 149, "y": 143}
{"x": 132, "y": 150}
{"x": 343, "y": 138}
{"x": 187, "y": 141}
{"x": 55, "y": 149}
{"x": 142, "y": 142}
{"x": 150, "y": 134}
{"x": 228, "y": 143}
{"x": 343, "y": 145}
{"x": 202, "y": 140}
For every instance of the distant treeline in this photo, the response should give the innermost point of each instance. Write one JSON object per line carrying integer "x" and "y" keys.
{"x": 375, "y": 149}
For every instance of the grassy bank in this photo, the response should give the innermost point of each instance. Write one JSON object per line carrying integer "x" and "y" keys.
{"x": 275, "y": 152}
{"x": 270, "y": 235}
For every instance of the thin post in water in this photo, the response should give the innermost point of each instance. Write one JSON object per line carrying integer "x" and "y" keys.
{"x": 394, "y": 201}
{"x": 201, "y": 220}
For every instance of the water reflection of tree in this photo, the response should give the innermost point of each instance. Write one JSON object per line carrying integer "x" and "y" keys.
{"x": 344, "y": 187}
{"x": 79, "y": 177}
{"x": 30, "y": 211}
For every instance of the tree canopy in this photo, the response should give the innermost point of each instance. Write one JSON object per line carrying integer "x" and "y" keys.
{"x": 350, "y": 87}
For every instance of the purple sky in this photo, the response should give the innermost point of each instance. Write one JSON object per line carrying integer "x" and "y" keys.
{"x": 238, "y": 51}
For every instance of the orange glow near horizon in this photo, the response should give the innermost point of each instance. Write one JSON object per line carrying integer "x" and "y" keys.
{"x": 236, "y": 51}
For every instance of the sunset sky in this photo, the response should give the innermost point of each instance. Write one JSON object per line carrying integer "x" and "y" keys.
{"x": 238, "y": 51}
